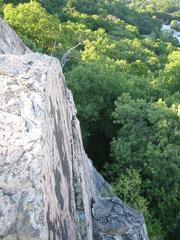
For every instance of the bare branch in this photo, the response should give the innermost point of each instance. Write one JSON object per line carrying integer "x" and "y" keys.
{"x": 54, "y": 47}
{"x": 66, "y": 57}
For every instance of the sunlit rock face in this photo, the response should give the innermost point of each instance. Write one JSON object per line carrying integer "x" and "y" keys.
{"x": 9, "y": 42}
{"x": 49, "y": 189}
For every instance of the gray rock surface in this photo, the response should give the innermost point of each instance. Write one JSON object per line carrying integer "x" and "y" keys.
{"x": 9, "y": 41}
{"x": 49, "y": 189}
{"x": 112, "y": 219}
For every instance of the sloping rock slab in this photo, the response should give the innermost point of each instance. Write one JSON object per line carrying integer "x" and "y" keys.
{"x": 9, "y": 41}
{"x": 42, "y": 161}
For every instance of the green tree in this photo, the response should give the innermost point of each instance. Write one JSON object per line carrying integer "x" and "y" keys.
{"x": 148, "y": 140}
{"x": 95, "y": 87}
{"x": 168, "y": 79}
{"x": 129, "y": 187}
{"x": 32, "y": 22}
{"x": 175, "y": 25}
{"x": 53, "y": 5}
{"x": 1, "y": 6}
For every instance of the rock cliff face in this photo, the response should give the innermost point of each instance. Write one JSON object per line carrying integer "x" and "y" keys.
{"x": 49, "y": 189}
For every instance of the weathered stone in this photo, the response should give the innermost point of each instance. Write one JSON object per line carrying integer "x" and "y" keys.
{"x": 48, "y": 187}
{"x": 100, "y": 188}
{"x": 113, "y": 219}
{"x": 41, "y": 153}
{"x": 9, "y": 42}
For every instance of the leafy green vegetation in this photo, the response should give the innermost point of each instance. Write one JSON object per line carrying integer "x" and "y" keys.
{"x": 125, "y": 77}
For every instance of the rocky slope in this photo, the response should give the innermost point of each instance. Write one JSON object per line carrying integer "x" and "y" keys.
{"x": 49, "y": 188}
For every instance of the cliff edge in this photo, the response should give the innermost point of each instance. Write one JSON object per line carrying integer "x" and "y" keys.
{"x": 49, "y": 189}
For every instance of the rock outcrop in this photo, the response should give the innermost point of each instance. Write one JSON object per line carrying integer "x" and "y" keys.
{"x": 49, "y": 189}
{"x": 9, "y": 41}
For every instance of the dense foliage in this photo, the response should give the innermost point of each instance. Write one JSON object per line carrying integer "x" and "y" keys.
{"x": 125, "y": 77}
